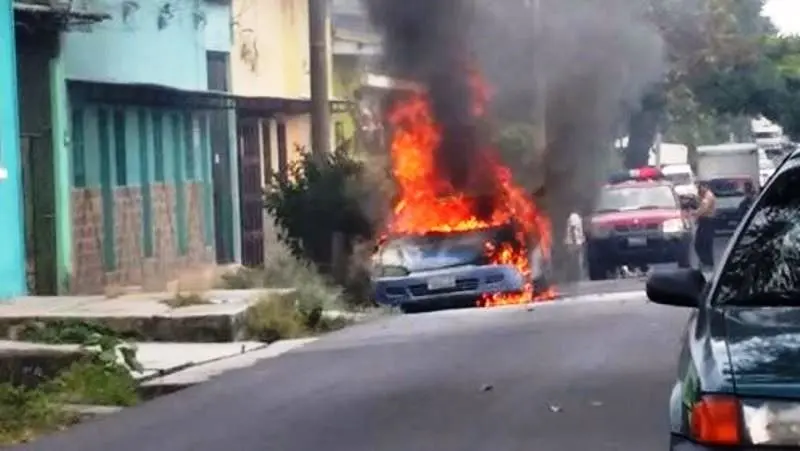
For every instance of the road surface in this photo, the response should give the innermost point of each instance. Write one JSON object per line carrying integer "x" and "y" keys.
{"x": 566, "y": 376}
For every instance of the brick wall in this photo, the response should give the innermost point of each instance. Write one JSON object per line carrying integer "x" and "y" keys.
{"x": 132, "y": 268}
{"x": 87, "y": 232}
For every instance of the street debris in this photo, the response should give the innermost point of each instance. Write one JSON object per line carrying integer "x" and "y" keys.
{"x": 554, "y": 408}
{"x": 487, "y": 387}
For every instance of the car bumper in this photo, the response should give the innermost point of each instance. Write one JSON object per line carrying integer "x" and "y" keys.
{"x": 470, "y": 284}
{"x": 727, "y": 219}
{"x": 680, "y": 443}
{"x": 658, "y": 248}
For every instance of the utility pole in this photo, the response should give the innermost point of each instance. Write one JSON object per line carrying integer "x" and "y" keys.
{"x": 318, "y": 62}
{"x": 540, "y": 84}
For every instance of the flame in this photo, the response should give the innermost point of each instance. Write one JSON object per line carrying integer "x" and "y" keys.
{"x": 426, "y": 202}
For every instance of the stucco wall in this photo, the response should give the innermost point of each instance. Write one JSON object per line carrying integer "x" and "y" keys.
{"x": 269, "y": 57}
{"x": 163, "y": 42}
{"x": 219, "y": 27}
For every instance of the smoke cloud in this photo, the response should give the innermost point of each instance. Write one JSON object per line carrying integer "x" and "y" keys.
{"x": 595, "y": 59}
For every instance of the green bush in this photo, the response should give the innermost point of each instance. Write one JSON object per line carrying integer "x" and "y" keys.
{"x": 319, "y": 199}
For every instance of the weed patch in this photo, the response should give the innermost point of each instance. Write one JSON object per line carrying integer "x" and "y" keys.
{"x": 275, "y": 319}
{"x": 101, "y": 378}
{"x": 181, "y": 300}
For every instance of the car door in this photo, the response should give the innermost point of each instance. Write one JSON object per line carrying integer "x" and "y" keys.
{"x": 686, "y": 379}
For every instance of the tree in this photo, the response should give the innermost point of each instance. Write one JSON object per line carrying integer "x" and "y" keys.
{"x": 702, "y": 39}
{"x": 768, "y": 85}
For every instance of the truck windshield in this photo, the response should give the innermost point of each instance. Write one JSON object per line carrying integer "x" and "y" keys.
{"x": 728, "y": 187}
{"x": 625, "y": 198}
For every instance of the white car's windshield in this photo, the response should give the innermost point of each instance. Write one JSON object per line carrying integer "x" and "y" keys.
{"x": 681, "y": 178}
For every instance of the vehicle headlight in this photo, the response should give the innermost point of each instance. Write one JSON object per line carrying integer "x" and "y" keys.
{"x": 389, "y": 271}
{"x": 672, "y": 226}
{"x": 600, "y": 231}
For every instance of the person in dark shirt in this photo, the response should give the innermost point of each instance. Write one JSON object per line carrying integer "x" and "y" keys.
{"x": 749, "y": 198}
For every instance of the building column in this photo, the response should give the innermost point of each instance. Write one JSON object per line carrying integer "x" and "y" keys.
{"x": 62, "y": 147}
{"x": 12, "y": 234}
{"x": 236, "y": 218}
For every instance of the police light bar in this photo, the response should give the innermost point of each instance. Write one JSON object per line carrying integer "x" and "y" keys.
{"x": 638, "y": 175}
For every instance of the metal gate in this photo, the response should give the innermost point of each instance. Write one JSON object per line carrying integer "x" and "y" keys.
{"x": 251, "y": 192}
{"x": 39, "y": 210}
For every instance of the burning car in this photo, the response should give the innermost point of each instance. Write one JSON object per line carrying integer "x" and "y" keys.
{"x": 440, "y": 269}
{"x": 459, "y": 230}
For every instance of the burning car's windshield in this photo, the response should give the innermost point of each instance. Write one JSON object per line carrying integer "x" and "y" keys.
{"x": 625, "y": 198}
{"x": 474, "y": 238}
{"x": 438, "y": 250}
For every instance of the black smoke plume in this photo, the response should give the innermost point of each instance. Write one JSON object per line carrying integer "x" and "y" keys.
{"x": 595, "y": 59}
{"x": 428, "y": 42}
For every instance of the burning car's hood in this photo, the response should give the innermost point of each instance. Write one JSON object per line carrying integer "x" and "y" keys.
{"x": 633, "y": 216}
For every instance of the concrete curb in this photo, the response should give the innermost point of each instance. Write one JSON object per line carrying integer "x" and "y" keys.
{"x": 196, "y": 374}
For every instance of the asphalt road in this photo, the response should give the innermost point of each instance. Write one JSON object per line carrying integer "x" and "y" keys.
{"x": 566, "y": 376}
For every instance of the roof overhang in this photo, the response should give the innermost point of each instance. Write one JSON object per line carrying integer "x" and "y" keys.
{"x": 385, "y": 82}
{"x": 276, "y": 106}
{"x": 53, "y": 10}
{"x": 152, "y": 95}
{"x": 148, "y": 95}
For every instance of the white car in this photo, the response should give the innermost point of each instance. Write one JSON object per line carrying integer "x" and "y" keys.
{"x": 682, "y": 178}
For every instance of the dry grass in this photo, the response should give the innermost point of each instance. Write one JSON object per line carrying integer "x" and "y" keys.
{"x": 283, "y": 270}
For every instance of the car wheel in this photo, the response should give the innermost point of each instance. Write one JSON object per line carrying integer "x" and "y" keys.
{"x": 411, "y": 309}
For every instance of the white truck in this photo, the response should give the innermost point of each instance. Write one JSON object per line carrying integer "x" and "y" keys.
{"x": 673, "y": 160}
{"x": 770, "y": 137}
{"x": 728, "y": 169}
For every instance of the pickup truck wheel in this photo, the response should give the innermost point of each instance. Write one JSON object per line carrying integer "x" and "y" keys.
{"x": 411, "y": 308}
{"x": 597, "y": 271}
{"x": 685, "y": 255}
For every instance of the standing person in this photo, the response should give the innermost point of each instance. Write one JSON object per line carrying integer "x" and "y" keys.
{"x": 704, "y": 236}
{"x": 749, "y": 198}
{"x": 574, "y": 241}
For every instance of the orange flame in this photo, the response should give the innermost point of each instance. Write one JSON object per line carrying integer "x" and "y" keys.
{"x": 427, "y": 202}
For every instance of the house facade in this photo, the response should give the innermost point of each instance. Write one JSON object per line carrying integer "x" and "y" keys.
{"x": 355, "y": 45}
{"x": 12, "y": 258}
{"x": 271, "y": 81}
{"x": 152, "y": 164}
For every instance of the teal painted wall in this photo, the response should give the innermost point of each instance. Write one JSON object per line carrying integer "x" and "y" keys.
{"x": 159, "y": 48}
{"x": 12, "y": 248}
{"x": 136, "y": 146}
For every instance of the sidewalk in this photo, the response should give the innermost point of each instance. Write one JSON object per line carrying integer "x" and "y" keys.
{"x": 220, "y": 318}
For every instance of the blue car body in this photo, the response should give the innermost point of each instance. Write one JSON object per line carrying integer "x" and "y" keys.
{"x": 430, "y": 271}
